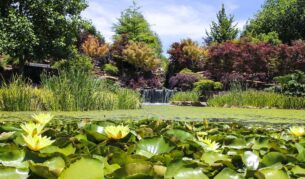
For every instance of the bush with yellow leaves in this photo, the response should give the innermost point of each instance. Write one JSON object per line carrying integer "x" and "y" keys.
{"x": 94, "y": 48}
{"x": 141, "y": 56}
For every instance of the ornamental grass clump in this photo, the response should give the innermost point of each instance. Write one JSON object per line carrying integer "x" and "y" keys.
{"x": 32, "y": 132}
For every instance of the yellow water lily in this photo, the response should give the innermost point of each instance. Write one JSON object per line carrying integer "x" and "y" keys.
{"x": 209, "y": 144}
{"x": 42, "y": 118}
{"x": 37, "y": 142}
{"x": 296, "y": 131}
{"x": 117, "y": 132}
{"x": 32, "y": 128}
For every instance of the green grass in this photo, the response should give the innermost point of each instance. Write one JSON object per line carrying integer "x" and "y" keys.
{"x": 180, "y": 113}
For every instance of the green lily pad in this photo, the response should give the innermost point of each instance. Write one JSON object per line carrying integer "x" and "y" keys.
{"x": 153, "y": 146}
{"x": 49, "y": 169}
{"x": 272, "y": 158}
{"x": 68, "y": 150}
{"x": 97, "y": 132}
{"x": 301, "y": 152}
{"x": 181, "y": 170}
{"x": 139, "y": 169}
{"x": 251, "y": 160}
{"x": 13, "y": 173}
{"x": 272, "y": 172}
{"x": 11, "y": 155}
{"x": 212, "y": 157}
{"x": 84, "y": 168}
{"x": 299, "y": 171}
{"x": 180, "y": 134}
{"x": 228, "y": 173}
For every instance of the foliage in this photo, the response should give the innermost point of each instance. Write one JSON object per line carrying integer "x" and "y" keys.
{"x": 222, "y": 30}
{"x": 258, "y": 99}
{"x": 292, "y": 84}
{"x": 141, "y": 56}
{"x": 157, "y": 149}
{"x": 111, "y": 69}
{"x": 185, "y": 54}
{"x": 93, "y": 47}
{"x": 204, "y": 87}
{"x": 128, "y": 99}
{"x": 276, "y": 16}
{"x": 271, "y": 37}
{"x": 254, "y": 62}
{"x": 185, "y": 96}
{"x": 133, "y": 24}
{"x": 39, "y": 30}
{"x": 20, "y": 96}
{"x": 78, "y": 90}
{"x": 183, "y": 81}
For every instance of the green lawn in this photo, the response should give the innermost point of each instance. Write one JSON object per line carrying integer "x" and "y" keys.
{"x": 180, "y": 113}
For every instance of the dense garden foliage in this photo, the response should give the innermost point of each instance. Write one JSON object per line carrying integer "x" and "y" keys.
{"x": 46, "y": 148}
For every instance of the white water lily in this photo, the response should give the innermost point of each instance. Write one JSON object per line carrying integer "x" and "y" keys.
{"x": 297, "y": 131}
{"x": 117, "y": 132}
{"x": 42, "y": 118}
{"x": 209, "y": 145}
{"x": 32, "y": 128}
{"x": 37, "y": 142}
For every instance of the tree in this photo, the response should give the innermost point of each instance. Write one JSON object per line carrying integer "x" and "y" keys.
{"x": 287, "y": 18}
{"x": 141, "y": 56}
{"x": 36, "y": 30}
{"x": 223, "y": 29}
{"x": 133, "y": 24}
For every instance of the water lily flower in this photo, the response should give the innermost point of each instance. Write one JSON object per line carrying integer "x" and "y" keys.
{"x": 32, "y": 129}
{"x": 42, "y": 118}
{"x": 117, "y": 132}
{"x": 209, "y": 144}
{"x": 37, "y": 142}
{"x": 296, "y": 131}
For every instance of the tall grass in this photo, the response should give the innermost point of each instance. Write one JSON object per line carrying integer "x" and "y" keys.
{"x": 128, "y": 99}
{"x": 20, "y": 96}
{"x": 185, "y": 96}
{"x": 258, "y": 99}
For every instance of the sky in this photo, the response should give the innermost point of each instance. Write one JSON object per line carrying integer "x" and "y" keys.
{"x": 172, "y": 20}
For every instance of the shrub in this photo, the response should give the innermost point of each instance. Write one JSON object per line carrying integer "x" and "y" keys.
{"x": 111, "y": 69}
{"x": 257, "y": 99}
{"x": 205, "y": 86}
{"x": 128, "y": 99}
{"x": 141, "y": 56}
{"x": 185, "y": 96}
{"x": 292, "y": 84}
{"x": 183, "y": 82}
{"x": 93, "y": 47}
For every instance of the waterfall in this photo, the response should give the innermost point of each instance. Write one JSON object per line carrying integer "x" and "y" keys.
{"x": 156, "y": 95}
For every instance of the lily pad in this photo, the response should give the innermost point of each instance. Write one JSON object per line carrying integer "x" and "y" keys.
{"x": 11, "y": 155}
{"x": 13, "y": 173}
{"x": 6, "y": 135}
{"x": 153, "y": 146}
{"x": 272, "y": 158}
{"x": 68, "y": 150}
{"x": 212, "y": 157}
{"x": 85, "y": 168}
{"x": 49, "y": 169}
{"x": 180, "y": 134}
{"x": 181, "y": 170}
{"x": 228, "y": 173}
{"x": 272, "y": 172}
{"x": 97, "y": 132}
{"x": 299, "y": 171}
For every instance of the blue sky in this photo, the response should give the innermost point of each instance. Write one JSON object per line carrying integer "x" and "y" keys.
{"x": 172, "y": 20}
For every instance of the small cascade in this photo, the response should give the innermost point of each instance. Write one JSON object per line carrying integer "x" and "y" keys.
{"x": 156, "y": 95}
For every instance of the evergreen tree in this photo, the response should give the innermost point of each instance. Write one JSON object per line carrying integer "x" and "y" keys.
{"x": 133, "y": 25}
{"x": 223, "y": 29}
